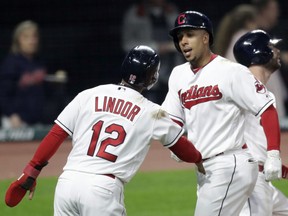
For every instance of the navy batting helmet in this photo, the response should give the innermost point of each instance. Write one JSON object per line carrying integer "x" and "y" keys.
{"x": 253, "y": 48}
{"x": 191, "y": 19}
{"x": 140, "y": 67}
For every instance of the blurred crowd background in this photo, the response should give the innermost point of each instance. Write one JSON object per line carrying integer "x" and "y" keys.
{"x": 75, "y": 45}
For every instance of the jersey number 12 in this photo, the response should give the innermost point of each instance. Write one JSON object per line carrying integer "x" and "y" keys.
{"x": 106, "y": 142}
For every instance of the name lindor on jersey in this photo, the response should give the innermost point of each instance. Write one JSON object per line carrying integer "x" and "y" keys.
{"x": 117, "y": 106}
{"x": 196, "y": 95}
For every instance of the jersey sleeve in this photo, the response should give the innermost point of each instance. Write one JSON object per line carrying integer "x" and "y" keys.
{"x": 172, "y": 103}
{"x": 248, "y": 92}
{"x": 165, "y": 130}
{"x": 68, "y": 117}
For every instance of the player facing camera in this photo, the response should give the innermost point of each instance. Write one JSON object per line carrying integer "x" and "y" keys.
{"x": 191, "y": 20}
{"x": 140, "y": 68}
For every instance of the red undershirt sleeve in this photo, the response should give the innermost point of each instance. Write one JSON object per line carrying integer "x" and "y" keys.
{"x": 49, "y": 145}
{"x": 186, "y": 151}
{"x": 177, "y": 122}
{"x": 270, "y": 124}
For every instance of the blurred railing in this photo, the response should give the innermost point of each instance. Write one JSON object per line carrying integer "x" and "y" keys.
{"x": 24, "y": 134}
{"x": 39, "y": 132}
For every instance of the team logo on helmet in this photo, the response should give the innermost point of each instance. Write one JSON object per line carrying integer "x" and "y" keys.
{"x": 181, "y": 19}
{"x": 132, "y": 78}
{"x": 260, "y": 88}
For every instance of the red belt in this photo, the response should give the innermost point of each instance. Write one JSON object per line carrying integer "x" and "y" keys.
{"x": 212, "y": 156}
{"x": 109, "y": 175}
{"x": 114, "y": 177}
{"x": 221, "y": 153}
{"x": 261, "y": 168}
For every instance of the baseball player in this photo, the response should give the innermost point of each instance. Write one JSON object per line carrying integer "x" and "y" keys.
{"x": 112, "y": 127}
{"x": 208, "y": 96}
{"x": 257, "y": 51}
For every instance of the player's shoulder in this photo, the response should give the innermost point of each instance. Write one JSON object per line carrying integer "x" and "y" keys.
{"x": 150, "y": 104}
{"x": 227, "y": 62}
{"x": 230, "y": 66}
{"x": 272, "y": 96}
{"x": 182, "y": 66}
{"x": 179, "y": 70}
{"x": 157, "y": 111}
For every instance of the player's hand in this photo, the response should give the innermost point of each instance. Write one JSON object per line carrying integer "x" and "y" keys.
{"x": 26, "y": 182}
{"x": 200, "y": 168}
{"x": 174, "y": 157}
{"x": 273, "y": 166}
{"x": 18, "y": 189}
{"x": 284, "y": 172}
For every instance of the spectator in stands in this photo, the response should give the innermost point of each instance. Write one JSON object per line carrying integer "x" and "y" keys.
{"x": 147, "y": 23}
{"x": 268, "y": 13}
{"x": 233, "y": 25}
{"x": 261, "y": 14}
{"x": 22, "y": 74}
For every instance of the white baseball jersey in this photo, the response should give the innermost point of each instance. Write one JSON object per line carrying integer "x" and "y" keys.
{"x": 211, "y": 102}
{"x": 265, "y": 198}
{"x": 112, "y": 127}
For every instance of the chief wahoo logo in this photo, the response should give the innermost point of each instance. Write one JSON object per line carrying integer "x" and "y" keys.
{"x": 181, "y": 19}
{"x": 260, "y": 88}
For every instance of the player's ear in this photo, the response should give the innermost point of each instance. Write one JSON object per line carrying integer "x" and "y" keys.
{"x": 205, "y": 37}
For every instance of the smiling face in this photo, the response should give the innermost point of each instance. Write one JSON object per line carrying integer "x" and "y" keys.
{"x": 194, "y": 44}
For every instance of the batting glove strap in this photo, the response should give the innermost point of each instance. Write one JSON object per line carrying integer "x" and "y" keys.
{"x": 273, "y": 154}
{"x": 28, "y": 183}
{"x": 31, "y": 171}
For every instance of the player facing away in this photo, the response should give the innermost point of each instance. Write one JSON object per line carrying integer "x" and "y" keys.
{"x": 208, "y": 95}
{"x": 112, "y": 127}
{"x": 256, "y": 50}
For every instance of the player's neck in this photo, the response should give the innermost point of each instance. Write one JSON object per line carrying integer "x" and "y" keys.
{"x": 260, "y": 73}
{"x": 123, "y": 83}
{"x": 203, "y": 62}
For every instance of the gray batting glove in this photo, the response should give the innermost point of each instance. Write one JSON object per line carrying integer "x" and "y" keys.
{"x": 273, "y": 166}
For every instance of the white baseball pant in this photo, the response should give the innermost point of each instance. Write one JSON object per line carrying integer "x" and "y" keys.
{"x": 229, "y": 181}
{"x": 265, "y": 200}
{"x": 79, "y": 193}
